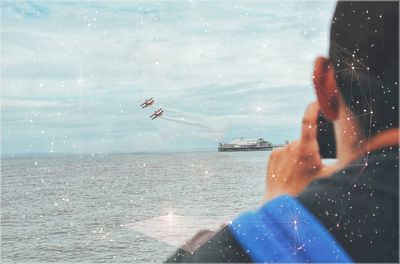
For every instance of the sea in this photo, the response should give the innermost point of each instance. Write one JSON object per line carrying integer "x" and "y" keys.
{"x": 119, "y": 208}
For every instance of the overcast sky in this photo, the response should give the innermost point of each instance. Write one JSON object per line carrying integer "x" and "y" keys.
{"x": 74, "y": 74}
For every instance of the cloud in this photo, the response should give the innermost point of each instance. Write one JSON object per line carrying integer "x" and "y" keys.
{"x": 79, "y": 70}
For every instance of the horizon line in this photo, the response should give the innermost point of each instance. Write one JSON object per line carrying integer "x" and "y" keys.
{"x": 26, "y": 154}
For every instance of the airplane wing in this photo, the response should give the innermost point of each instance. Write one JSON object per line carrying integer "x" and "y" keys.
{"x": 153, "y": 116}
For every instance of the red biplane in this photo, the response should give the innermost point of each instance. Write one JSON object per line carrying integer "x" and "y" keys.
{"x": 147, "y": 102}
{"x": 157, "y": 113}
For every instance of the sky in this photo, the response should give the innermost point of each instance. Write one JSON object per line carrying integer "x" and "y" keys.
{"x": 73, "y": 74}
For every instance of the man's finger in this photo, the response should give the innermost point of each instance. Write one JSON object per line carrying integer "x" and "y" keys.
{"x": 309, "y": 123}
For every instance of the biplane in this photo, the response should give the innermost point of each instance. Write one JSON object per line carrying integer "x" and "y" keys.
{"x": 147, "y": 102}
{"x": 157, "y": 113}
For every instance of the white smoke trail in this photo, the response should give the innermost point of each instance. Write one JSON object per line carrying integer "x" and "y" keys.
{"x": 215, "y": 131}
{"x": 183, "y": 121}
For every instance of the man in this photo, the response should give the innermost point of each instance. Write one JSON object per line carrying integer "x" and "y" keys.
{"x": 347, "y": 211}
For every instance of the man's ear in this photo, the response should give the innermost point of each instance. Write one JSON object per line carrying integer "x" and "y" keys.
{"x": 326, "y": 88}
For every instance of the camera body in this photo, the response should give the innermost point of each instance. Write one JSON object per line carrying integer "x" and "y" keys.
{"x": 326, "y": 138}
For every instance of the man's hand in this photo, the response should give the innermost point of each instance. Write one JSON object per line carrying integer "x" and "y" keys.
{"x": 292, "y": 167}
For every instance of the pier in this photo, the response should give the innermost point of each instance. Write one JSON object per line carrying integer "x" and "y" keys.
{"x": 248, "y": 145}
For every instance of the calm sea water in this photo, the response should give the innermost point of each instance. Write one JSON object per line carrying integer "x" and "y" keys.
{"x": 79, "y": 208}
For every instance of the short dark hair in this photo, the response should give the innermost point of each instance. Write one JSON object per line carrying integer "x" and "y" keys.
{"x": 364, "y": 49}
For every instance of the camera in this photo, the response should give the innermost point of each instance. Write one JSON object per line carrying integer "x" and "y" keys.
{"x": 326, "y": 138}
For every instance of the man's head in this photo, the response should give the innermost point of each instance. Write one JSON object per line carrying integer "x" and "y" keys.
{"x": 361, "y": 73}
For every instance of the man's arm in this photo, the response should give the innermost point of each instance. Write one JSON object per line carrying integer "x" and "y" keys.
{"x": 282, "y": 230}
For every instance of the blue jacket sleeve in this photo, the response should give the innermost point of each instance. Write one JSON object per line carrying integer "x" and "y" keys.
{"x": 283, "y": 230}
